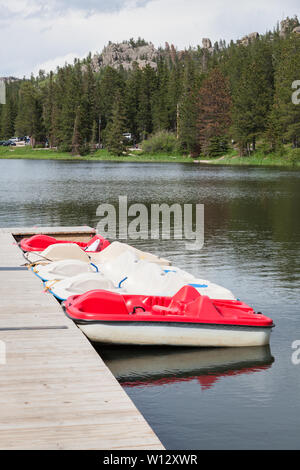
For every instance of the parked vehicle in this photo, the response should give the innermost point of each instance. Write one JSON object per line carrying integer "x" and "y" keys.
{"x": 8, "y": 143}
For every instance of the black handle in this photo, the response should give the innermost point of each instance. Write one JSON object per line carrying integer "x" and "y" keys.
{"x": 135, "y": 309}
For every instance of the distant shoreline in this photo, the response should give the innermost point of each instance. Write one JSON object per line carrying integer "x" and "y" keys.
{"x": 102, "y": 155}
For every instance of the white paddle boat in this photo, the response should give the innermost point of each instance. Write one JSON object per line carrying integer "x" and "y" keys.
{"x": 63, "y": 251}
{"x": 130, "y": 275}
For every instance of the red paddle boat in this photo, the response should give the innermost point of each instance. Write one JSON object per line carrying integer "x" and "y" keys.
{"x": 187, "y": 319}
{"x": 41, "y": 242}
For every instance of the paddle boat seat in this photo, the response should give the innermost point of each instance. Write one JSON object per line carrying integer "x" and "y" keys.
{"x": 59, "y": 252}
{"x": 62, "y": 289}
{"x": 62, "y": 269}
{"x": 115, "y": 249}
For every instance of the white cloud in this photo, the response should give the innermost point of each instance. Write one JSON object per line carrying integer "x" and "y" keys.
{"x": 33, "y": 36}
{"x": 28, "y": 8}
{"x": 59, "y": 61}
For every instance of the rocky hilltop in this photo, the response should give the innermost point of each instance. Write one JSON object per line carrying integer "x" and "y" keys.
{"x": 289, "y": 25}
{"x": 125, "y": 54}
{"x": 9, "y": 79}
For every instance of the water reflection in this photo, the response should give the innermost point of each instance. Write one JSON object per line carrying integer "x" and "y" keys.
{"x": 146, "y": 367}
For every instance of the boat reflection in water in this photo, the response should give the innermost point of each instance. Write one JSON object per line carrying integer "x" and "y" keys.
{"x": 134, "y": 367}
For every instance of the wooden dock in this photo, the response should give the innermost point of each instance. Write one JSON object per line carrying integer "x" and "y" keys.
{"x": 56, "y": 392}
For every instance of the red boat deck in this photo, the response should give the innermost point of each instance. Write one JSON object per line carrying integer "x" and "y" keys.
{"x": 187, "y": 306}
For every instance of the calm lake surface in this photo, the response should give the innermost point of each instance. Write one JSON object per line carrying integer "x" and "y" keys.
{"x": 195, "y": 399}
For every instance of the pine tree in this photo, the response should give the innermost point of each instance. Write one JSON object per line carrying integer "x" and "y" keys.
{"x": 115, "y": 140}
{"x": 76, "y": 138}
{"x": 160, "y": 105}
{"x": 111, "y": 83}
{"x": 94, "y": 140}
{"x": 88, "y": 102}
{"x": 8, "y": 115}
{"x": 69, "y": 98}
{"x": 25, "y": 116}
{"x": 147, "y": 89}
{"x": 29, "y": 119}
{"x": 284, "y": 119}
{"x": 132, "y": 103}
{"x": 38, "y": 134}
{"x": 50, "y": 111}
{"x": 252, "y": 95}
{"x": 217, "y": 146}
{"x": 187, "y": 111}
{"x": 174, "y": 92}
{"x": 214, "y": 112}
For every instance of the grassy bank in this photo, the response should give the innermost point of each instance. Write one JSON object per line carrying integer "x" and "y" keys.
{"x": 100, "y": 155}
{"x": 257, "y": 159}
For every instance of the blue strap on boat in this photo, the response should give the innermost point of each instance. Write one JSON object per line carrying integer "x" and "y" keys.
{"x": 199, "y": 286}
{"x": 121, "y": 282}
{"x": 36, "y": 274}
{"x": 169, "y": 271}
{"x": 56, "y": 296}
{"x": 97, "y": 270}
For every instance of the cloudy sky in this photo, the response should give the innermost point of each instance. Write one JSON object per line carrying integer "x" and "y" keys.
{"x": 37, "y": 34}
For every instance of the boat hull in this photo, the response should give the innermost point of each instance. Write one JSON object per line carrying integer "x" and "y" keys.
{"x": 189, "y": 335}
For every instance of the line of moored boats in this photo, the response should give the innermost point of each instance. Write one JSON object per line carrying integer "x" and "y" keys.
{"x": 118, "y": 294}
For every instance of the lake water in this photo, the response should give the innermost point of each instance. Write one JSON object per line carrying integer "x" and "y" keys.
{"x": 195, "y": 399}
